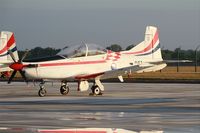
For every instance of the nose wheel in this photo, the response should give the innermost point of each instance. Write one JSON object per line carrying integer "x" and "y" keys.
{"x": 42, "y": 92}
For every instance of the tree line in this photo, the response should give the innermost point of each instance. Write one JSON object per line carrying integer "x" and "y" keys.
{"x": 190, "y": 54}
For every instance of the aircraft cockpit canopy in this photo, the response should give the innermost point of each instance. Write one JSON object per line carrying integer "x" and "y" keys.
{"x": 81, "y": 51}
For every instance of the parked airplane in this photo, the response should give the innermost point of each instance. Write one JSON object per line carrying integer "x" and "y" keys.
{"x": 7, "y": 42}
{"x": 89, "y": 62}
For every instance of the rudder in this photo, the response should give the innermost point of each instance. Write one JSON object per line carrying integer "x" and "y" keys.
{"x": 7, "y": 42}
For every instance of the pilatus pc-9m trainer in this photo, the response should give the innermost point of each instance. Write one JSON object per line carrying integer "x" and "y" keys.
{"x": 85, "y": 62}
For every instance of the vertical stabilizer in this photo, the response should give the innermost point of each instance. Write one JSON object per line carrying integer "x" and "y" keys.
{"x": 148, "y": 49}
{"x": 7, "y": 42}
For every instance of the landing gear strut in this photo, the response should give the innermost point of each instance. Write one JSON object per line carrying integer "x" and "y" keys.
{"x": 97, "y": 88}
{"x": 64, "y": 89}
{"x": 42, "y": 92}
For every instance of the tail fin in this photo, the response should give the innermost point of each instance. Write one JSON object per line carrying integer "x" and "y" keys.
{"x": 150, "y": 48}
{"x": 7, "y": 42}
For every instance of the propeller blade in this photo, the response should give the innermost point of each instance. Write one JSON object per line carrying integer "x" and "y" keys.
{"x": 12, "y": 55}
{"x": 12, "y": 76}
{"x": 23, "y": 76}
{"x": 24, "y": 56}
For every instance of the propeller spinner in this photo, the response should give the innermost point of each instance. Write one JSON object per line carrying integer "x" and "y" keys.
{"x": 17, "y": 66}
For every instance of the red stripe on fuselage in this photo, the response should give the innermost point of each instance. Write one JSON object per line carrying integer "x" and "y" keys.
{"x": 88, "y": 76}
{"x": 72, "y": 131}
{"x": 150, "y": 46}
{"x": 72, "y": 63}
{"x": 9, "y": 44}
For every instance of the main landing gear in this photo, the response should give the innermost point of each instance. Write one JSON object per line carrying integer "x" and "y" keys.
{"x": 97, "y": 88}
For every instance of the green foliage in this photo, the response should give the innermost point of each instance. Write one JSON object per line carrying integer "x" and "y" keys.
{"x": 115, "y": 48}
{"x": 39, "y": 52}
{"x": 167, "y": 54}
{"x": 183, "y": 55}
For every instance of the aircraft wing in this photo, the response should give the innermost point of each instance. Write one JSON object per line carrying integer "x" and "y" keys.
{"x": 146, "y": 67}
{"x": 171, "y": 61}
{"x": 4, "y": 68}
{"x": 176, "y": 61}
{"x": 109, "y": 74}
{"x": 116, "y": 73}
{"x": 122, "y": 71}
{"x": 5, "y": 62}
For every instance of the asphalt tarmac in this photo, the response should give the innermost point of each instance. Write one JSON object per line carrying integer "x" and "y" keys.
{"x": 173, "y": 108}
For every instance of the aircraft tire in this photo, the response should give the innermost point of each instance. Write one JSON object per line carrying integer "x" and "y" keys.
{"x": 42, "y": 92}
{"x": 64, "y": 90}
{"x": 96, "y": 90}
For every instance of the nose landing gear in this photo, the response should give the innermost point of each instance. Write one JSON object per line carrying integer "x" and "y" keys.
{"x": 42, "y": 92}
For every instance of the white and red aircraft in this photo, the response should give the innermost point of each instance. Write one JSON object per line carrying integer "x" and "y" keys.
{"x": 7, "y": 42}
{"x": 87, "y": 62}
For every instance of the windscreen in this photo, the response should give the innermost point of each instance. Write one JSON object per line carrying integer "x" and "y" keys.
{"x": 81, "y": 51}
